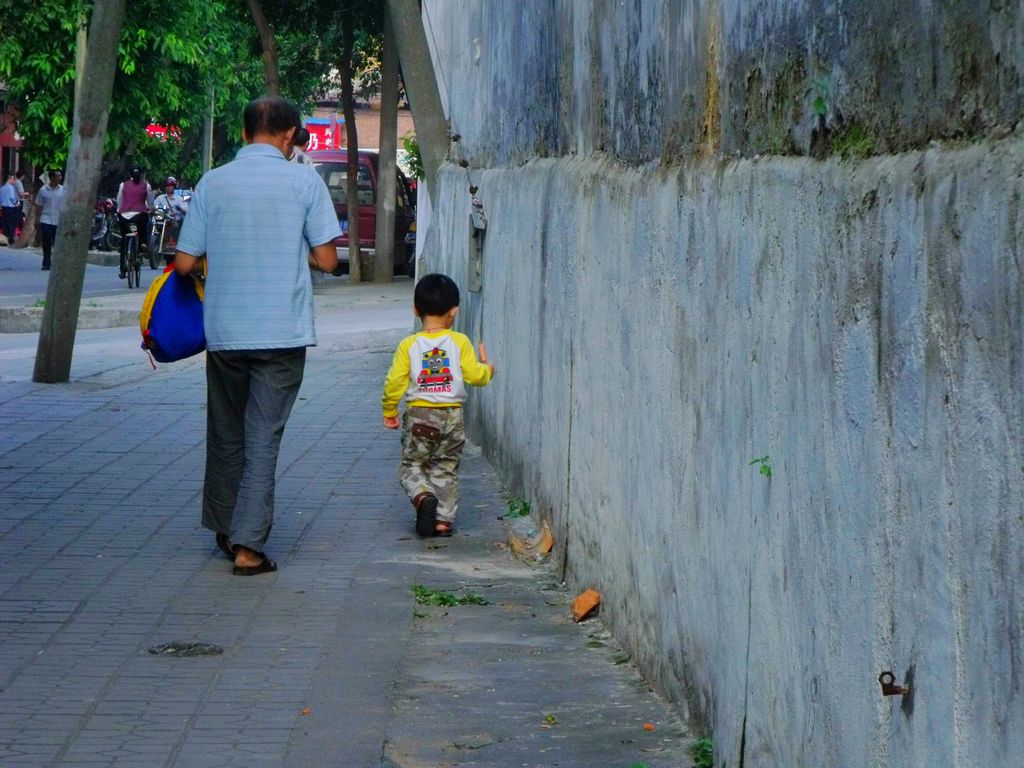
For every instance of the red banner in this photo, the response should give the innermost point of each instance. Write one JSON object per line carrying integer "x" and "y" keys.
{"x": 164, "y": 132}
{"x": 325, "y": 136}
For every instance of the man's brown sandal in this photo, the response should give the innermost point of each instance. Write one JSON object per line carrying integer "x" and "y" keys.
{"x": 443, "y": 528}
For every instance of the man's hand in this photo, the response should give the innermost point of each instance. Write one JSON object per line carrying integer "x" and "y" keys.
{"x": 391, "y": 422}
{"x": 483, "y": 357}
{"x": 324, "y": 257}
{"x": 184, "y": 263}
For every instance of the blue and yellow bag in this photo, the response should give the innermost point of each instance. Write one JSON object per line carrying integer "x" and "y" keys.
{"x": 171, "y": 320}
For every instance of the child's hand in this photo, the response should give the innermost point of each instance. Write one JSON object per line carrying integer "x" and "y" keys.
{"x": 483, "y": 357}
{"x": 391, "y": 422}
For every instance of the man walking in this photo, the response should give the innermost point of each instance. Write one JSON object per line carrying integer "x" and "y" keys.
{"x": 19, "y": 184}
{"x": 51, "y": 200}
{"x": 259, "y": 220}
{"x": 9, "y": 208}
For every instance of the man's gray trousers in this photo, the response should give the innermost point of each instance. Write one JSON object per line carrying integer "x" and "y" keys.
{"x": 249, "y": 398}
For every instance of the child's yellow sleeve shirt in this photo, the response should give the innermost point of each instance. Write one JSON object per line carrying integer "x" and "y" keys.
{"x": 474, "y": 372}
{"x": 432, "y": 370}
{"x": 397, "y": 380}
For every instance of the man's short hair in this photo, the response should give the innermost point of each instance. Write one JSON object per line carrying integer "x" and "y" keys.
{"x": 271, "y": 115}
{"x": 435, "y": 295}
{"x": 301, "y": 138}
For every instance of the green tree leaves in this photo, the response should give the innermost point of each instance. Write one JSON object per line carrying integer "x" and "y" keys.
{"x": 168, "y": 57}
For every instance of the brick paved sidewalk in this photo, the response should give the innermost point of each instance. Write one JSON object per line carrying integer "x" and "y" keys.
{"x": 328, "y": 662}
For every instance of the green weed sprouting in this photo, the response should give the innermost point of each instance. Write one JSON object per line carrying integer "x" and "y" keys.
{"x": 427, "y": 596}
{"x": 703, "y": 753}
{"x": 764, "y": 466}
{"x": 518, "y": 507}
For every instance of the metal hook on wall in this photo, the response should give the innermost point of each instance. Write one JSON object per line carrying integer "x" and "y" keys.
{"x": 889, "y": 688}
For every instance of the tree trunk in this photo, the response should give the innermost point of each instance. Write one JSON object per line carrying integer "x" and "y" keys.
{"x": 211, "y": 109}
{"x": 64, "y": 290}
{"x": 420, "y": 85}
{"x": 427, "y": 112}
{"x": 81, "y": 46}
{"x": 118, "y": 165}
{"x": 269, "y": 44}
{"x": 188, "y": 149}
{"x": 387, "y": 177}
{"x": 220, "y": 139}
{"x": 355, "y": 263}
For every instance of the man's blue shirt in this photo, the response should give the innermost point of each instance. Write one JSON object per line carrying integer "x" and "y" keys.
{"x": 256, "y": 219}
{"x": 8, "y": 196}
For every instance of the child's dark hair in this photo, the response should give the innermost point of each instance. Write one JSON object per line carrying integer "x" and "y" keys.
{"x": 435, "y": 295}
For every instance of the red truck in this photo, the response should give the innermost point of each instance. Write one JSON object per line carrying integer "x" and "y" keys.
{"x": 332, "y": 165}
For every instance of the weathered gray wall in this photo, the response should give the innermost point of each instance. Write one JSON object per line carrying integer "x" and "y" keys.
{"x": 659, "y": 324}
{"x": 658, "y": 80}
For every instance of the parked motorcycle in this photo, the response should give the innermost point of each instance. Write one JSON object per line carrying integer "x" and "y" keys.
{"x": 113, "y": 236}
{"x": 102, "y": 217}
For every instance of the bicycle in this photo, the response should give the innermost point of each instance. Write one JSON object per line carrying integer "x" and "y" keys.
{"x": 131, "y": 256}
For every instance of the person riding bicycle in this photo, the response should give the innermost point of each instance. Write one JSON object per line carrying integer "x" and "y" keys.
{"x": 167, "y": 199}
{"x": 134, "y": 201}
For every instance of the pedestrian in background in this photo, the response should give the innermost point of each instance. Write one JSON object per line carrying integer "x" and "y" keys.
{"x": 23, "y": 212}
{"x": 299, "y": 144}
{"x": 259, "y": 221}
{"x": 19, "y": 184}
{"x": 431, "y": 370}
{"x": 51, "y": 200}
{"x": 10, "y": 208}
{"x": 19, "y": 187}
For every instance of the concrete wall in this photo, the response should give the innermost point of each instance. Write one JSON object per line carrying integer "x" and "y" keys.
{"x": 647, "y": 80}
{"x": 657, "y": 325}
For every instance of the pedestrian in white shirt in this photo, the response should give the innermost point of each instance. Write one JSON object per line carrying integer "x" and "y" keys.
{"x": 51, "y": 200}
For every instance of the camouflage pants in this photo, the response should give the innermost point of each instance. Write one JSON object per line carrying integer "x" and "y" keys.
{"x": 431, "y": 465}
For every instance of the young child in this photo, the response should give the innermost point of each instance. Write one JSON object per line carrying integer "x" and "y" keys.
{"x": 431, "y": 369}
